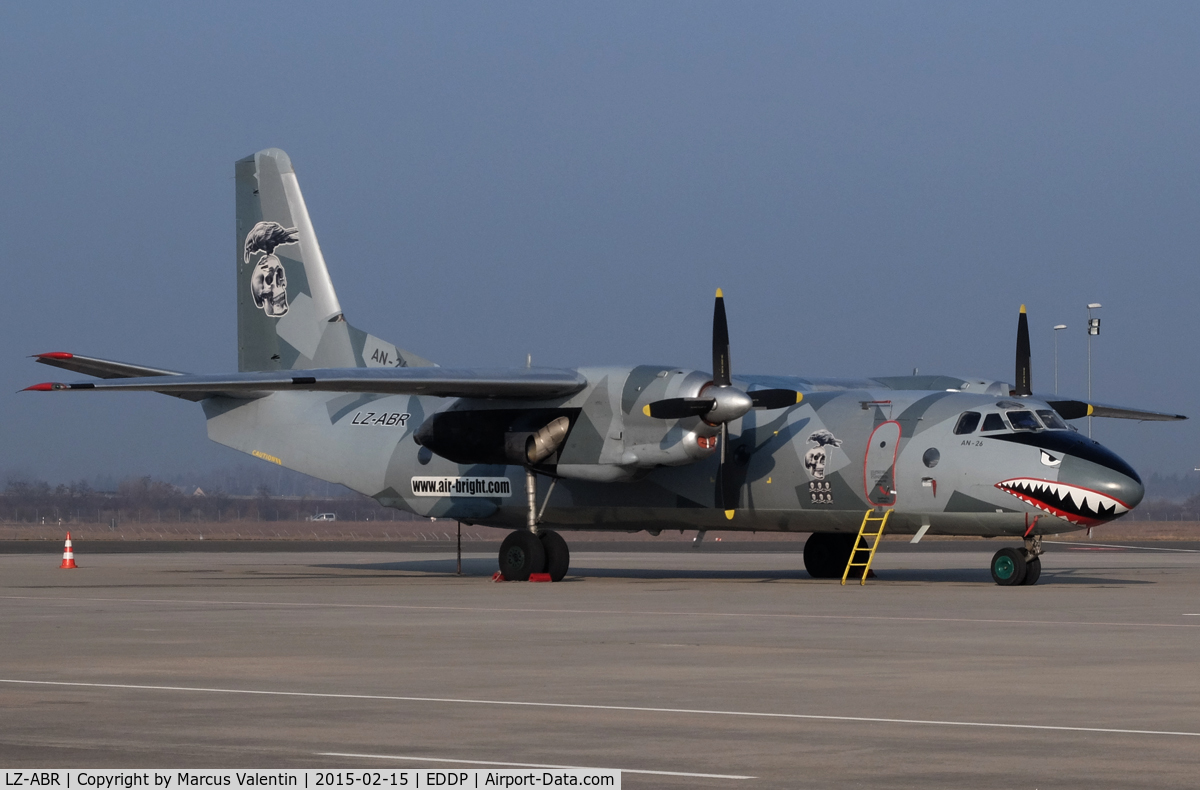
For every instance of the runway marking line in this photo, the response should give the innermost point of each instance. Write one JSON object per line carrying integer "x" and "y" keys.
{"x": 646, "y": 613}
{"x": 583, "y": 706}
{"x": 532, "y": 765}
{"x": 1118, "y": 546}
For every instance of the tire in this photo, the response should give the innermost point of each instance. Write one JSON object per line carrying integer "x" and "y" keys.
{"x": 826, "y": 554}
{"x": 558, "y": 556}
{"x": 521, "y": 554}
{"x": 1008, "y": 567}
{"x": 1033, "y": 571}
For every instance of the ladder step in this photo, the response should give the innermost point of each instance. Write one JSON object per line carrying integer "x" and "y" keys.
{"x": 866, "y": 551}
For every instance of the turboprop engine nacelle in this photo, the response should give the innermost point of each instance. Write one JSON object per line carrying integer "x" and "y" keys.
{"x": 634, "y": 442}
{"x": 602, "y": 434}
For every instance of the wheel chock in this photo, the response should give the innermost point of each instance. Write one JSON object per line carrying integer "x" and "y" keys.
{"x": 540, "y": 577}
{"x": 498, "y": 577}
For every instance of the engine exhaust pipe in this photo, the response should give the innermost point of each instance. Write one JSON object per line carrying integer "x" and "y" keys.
{"x": 542, "y": 444}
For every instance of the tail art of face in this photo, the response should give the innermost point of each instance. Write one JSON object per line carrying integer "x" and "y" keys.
{"x": 268, "y": 281}
{"x": 816, "y": 458}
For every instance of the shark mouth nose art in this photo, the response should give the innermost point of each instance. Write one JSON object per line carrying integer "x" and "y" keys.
{"x": 1081, "y": 506}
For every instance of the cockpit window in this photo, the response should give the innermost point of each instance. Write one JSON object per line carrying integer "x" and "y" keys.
{"x": 1052, "y": 420}
{"x": 967, "y": 423}
{"x": 993, "y": 422}
{"x": 1024, "y": 421}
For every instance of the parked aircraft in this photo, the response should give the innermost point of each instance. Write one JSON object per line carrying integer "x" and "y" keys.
{"x": 648, "y": 447}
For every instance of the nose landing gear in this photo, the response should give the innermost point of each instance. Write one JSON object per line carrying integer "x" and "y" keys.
{"x": 1011, "y": 567}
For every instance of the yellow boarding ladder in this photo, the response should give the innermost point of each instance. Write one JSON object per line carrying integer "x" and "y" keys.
{"x": 870, "y": 518}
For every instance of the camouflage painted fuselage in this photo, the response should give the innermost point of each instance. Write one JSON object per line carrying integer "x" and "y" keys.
{"x": 850, "y": 446}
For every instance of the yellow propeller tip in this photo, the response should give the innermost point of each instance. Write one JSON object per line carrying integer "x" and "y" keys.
{"x": 799, "y": 397}
{"x": 720, "y": 294}
{"x": 729, "y": 514}
{"x": 646, "y": 410}
{"x": 1022, "y": 308}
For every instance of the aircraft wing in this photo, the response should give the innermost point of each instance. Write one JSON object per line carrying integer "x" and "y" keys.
{"x": 502, "y": 383}
{"x": 1074, "y": 409}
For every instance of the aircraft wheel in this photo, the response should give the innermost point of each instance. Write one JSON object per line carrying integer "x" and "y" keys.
{"x": 521, "y": 554}
{"x": 558, "y": 556}
{"x": 1009, "y": 567}
{"x": 826, "y": 554}
{"x": 1033, "y": 571}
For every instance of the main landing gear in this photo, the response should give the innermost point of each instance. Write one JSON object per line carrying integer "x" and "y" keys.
{"x": 826, "y": 554}
{"x": 523, "y": 553}
{"x": 532, "y": 550}
{"x": 1011, "y": 567}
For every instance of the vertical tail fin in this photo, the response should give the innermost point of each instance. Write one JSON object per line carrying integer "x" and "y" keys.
{"x": 289, "y": 316}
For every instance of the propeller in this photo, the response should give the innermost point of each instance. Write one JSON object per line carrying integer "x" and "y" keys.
{"x": 1023, "y": 386}
{"x": 1071, "y": 409}
{"x": 720, "y": 403}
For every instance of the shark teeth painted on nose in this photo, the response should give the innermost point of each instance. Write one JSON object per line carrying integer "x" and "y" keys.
{"x": 1081, "y": 506}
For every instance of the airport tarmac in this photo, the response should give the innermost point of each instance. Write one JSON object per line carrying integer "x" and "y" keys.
{"x": 702, "y": 669}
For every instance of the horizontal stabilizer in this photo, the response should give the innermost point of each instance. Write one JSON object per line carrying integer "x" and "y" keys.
{"x": 100, "y": 368}
{"x": 1074, "y": 409}
{"x": 514, "y": 383}
{"x": 107, "y": 369}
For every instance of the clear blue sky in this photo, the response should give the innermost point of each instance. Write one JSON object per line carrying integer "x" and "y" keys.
{"x": 877, "y": 187}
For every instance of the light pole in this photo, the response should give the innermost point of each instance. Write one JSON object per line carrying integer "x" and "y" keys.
{"x": 1093, "y": 328}
{"x": 1056, "y": 328}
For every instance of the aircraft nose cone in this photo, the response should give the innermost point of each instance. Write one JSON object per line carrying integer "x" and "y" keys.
{"x": 1094, "y": 466}
{"x": 1093, "y": 484}
{"x": 1109, "y": 489}
{"x": 1126, "y": 489}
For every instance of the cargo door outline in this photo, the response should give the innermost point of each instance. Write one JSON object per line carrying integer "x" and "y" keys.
{"x": 879, "y": 464}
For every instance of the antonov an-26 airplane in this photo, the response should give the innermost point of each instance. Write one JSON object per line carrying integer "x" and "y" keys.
{"x": 649, "y": 447}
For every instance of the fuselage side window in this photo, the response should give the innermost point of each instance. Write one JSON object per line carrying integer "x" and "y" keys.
{"x": 967, "y": 423}
{"x": 1052, "y": 420}
{"x": 993, "y": 422}
{"x": 1023, "y": 421}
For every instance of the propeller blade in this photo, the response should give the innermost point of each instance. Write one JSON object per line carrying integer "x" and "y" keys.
{"x": 775, "y": 399}
{"x": 719, "y": 493}
{"x": 678, "y": 408}
{"x": 721, "y": 375}
{"x": 1023, "y": 385}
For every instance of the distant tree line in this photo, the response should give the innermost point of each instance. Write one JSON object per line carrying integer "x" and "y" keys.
{"x": 145, "y": 499}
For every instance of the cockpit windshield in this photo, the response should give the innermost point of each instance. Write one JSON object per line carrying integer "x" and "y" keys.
{"x": 994, "y": 422}
{"x": 1052, "y": 420}
{"x": 1024, "y": 421}
{"x": 967, "y": 423}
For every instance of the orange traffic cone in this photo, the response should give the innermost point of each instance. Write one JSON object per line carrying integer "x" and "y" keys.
{"x": 68, "y": 555}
